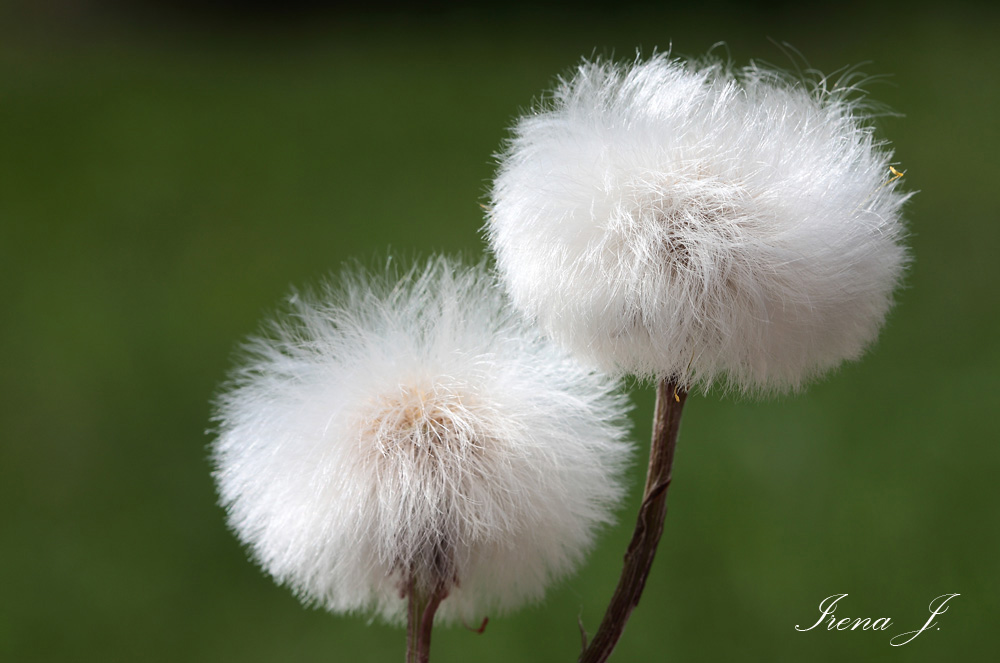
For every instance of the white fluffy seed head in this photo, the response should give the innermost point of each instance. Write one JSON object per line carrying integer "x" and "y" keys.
{"x": 680, "y": 220}
{"x": 412, "y": 426}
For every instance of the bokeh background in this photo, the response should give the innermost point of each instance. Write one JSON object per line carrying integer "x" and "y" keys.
{"x": 169, "y": 169}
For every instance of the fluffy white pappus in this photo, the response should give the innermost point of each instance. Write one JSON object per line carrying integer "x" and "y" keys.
{"x": 412, "y": 427}
{"x": 670, "y": 219}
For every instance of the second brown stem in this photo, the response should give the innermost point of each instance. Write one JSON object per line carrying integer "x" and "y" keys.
{"x": 648, "y": 527}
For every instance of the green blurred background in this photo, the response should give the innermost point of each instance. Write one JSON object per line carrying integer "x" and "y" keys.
{"x": 168, "y": 171}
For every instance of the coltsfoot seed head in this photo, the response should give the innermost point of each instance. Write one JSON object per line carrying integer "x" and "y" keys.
{"x": 691, "y": 221}
{"x": 413, "y": 428}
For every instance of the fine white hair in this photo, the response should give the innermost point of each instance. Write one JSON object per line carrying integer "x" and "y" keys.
{"x": 691, "y": 221}
{"x": 412, "y": 425}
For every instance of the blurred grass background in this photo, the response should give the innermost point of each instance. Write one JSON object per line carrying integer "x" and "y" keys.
{"x": 168, "y": 171}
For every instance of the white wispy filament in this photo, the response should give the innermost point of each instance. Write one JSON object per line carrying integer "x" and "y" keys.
{"x": 694, "y": 222}
{"x": 413, "y": 427}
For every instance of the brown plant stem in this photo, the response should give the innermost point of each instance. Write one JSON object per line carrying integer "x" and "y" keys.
{"x": 420, "y": 620}
{"x": 649, "y": 524}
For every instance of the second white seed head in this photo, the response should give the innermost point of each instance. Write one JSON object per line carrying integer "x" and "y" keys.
{"x": 668, "y": 219}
